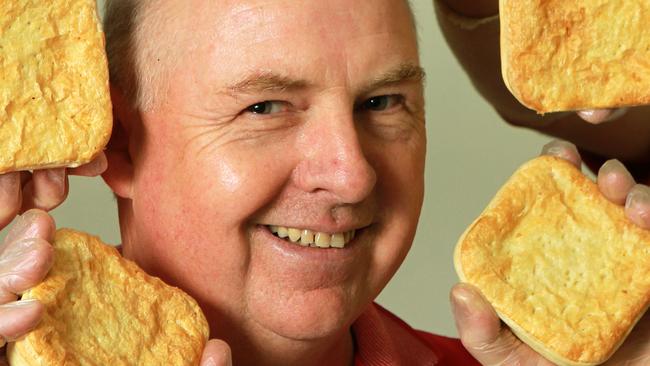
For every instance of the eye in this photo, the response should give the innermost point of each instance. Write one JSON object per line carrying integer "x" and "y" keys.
{"x": 266, "y": 107}
{"x": 381, "y": 102}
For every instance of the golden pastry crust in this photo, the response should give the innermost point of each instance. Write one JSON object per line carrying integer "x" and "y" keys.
{"x": 561, "y": 265}
{"x": 55, "y": 107}
{"x": 560, "y": 55}
{"x": 101, "y": 309}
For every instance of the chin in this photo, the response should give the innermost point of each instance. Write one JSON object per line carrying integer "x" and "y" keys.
{"x": 309, "y": 315}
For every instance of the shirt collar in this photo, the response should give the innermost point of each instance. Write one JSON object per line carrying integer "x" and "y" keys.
{"x": 382, "y": 339}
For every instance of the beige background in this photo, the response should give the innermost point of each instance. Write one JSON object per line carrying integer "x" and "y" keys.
{"x": 471, "y": 152}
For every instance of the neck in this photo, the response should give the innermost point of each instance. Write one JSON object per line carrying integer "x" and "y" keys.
{"x": 262, "y": 348}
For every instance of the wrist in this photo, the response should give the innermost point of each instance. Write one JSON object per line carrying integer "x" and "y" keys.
{"x": 473, "y": 8}
{"x": 465, "y": 22}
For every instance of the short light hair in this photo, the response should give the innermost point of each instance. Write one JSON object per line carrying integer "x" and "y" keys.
{"x": 139, "y": 58}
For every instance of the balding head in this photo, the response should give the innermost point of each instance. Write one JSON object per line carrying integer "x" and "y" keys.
{"x": 144, "y": 43}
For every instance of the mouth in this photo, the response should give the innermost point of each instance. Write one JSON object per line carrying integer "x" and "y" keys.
{"x": 314, "y": 239}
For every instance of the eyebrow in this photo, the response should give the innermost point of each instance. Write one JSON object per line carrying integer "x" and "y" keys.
{"x": 265, "y": 82}
{"x": 402, "y": 73}
{"x": 272, "y": 82}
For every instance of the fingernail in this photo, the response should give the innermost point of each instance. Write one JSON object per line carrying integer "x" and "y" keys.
{"x": 637, "y": 206}
{"x": 20, "y": 304}
{"x": 56, "y": 175}
{"x": 615, "y": 167}
{"x": 615, "y": 181}
{"x": 597, "y": 116}
{"x": 209, "y": 362}
{"x": 465, "y": 303}
{"x": 460, "y": 304}
{"x": 639, "y": 196}
{"x": 23, "y": 227}
{"x": 564, "y": 150}
{"x": 612, "y": 165}
{"x": 557, "y": 147}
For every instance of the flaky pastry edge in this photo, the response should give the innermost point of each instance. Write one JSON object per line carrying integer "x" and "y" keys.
{"x": 522, "y": 334}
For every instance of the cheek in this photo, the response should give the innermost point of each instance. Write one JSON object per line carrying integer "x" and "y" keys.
{"x": 195, "y": 208}
{"x": 400, "y": 187}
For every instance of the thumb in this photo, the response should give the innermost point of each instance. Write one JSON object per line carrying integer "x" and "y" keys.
{"x": 216, "y": 353}
{"x": 482, "y": 334}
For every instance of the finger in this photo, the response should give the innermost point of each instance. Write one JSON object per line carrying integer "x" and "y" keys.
{"x": 10, "y": 197}
{"x": 96, "y": 167}
{"x": 18, "y": 318}
{"x": 637, "y": 205}
{"x": 31, "y": 224}
{"x": 26, "y": 256}
{"x": 216, "y": 353}
{"x": 597, "y": 116}
{"x": 47, "y": 189}
{"x": 615, "y": 181}
{"x": 23, "y": 265}
{"x": 565, "y": 150}
{"x": 482, "y": 334}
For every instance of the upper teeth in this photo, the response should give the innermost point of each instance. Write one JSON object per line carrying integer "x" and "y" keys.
{"x": 314, "y": 238}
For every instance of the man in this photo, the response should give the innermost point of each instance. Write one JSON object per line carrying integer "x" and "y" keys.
{"x": 268, "y": 158}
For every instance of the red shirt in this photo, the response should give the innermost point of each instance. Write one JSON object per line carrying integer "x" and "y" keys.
{"x": 383, "y": 339}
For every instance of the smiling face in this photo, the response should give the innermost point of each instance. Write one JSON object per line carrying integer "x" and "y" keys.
{"x": 300, "y": 118}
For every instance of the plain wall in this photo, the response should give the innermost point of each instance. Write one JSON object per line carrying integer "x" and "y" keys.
{"x": 471, "y": 152}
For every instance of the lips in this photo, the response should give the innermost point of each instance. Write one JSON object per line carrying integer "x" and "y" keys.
{"x": 315, "y": 239}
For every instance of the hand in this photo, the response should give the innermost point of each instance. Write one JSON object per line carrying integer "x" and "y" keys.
{"x": 492, "y": 343}
{"x": 25, "y": 258}
{"x": 26, "y": 254}
{"x": 43, "y": 189}
{"x": 216, "y": 353}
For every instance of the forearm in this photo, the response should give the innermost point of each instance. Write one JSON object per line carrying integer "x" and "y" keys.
{"x": 474, "y": 8}
{"x": 476, "y": 46}
{"x": 475, "y": 43}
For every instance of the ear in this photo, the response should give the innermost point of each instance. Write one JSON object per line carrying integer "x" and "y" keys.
{"x": 119, "y": 174}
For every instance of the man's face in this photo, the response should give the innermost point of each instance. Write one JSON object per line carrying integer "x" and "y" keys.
{"x": 303, "y": 115}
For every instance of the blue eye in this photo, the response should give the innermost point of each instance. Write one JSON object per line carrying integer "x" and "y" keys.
{"x": 266, "y": 107}
{"x": 381, "y": 102}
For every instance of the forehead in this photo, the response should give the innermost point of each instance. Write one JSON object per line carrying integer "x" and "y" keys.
{"x": 333, "y": 38}
{"x": 328, "y": 17}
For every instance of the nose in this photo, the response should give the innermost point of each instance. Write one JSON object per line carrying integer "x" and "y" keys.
{"x": 334, "y": 160}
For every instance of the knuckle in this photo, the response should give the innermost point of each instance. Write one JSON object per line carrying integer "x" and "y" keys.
{"x": 49, "y": 201}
